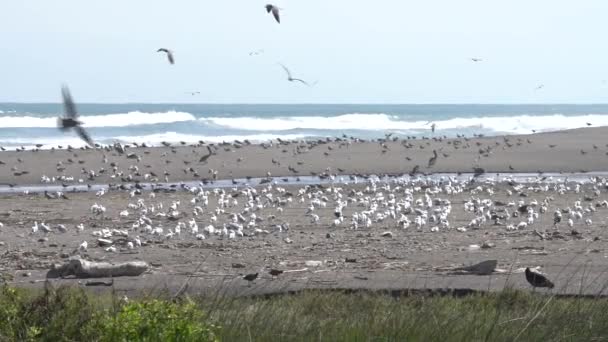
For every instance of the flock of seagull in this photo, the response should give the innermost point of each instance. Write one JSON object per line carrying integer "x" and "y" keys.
{"x": 419, "y": 203}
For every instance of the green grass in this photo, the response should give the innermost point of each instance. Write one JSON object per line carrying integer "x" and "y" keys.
{"x": 71, "y": 314}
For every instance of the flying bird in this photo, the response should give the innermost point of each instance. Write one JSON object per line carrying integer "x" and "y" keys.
{"x": 540, "y": 86}
{"x": 537, "y": 280}
{"x": 193, "y": 92}
{"x": 70, "y": 120}
{"x": 275, "y": 12}
{"x": 256, "y": 52}
{"x": 169, "y": 54}
{"x": 291, "y": 78}
{"x": 476, "y": 59}
{"x": 206, "y": 156}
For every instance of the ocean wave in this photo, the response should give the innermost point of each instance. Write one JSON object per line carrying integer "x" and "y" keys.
{"x": 107, "y": 120}
{"x": 174, "y": 137}
{"x": 383, "y": 122}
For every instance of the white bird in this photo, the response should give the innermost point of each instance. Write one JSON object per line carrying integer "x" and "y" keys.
{"x": 290, "y": 78}
{"x": 83, "y": 246}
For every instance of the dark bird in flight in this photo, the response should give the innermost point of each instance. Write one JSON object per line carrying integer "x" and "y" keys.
{"x": 70, "y": 120}
{"x": 275, "y": 12}
{"x": 206, "y": 156}
{"x": 169, "y": 54}
{"x": 291, "y": 78}
{"x": 193, "y": 92}
{"x": 537, "y": 280}
{"x": 476, "y": 59}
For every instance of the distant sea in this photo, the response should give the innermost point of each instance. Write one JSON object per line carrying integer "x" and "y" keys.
{"x": 30, "y": 124}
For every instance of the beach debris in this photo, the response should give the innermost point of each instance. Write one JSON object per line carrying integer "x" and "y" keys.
{"x": 486, "y": 267}
{"x": 100, "y": 283}
{"x": 487, "y": 245}
{"x": 104, "y": 242}
{"x": 313, "y": 263}
{"x": 81, "y": 268}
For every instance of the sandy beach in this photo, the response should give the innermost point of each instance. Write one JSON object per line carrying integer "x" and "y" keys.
{"x": 565, "y": 151}
{"x": 317, "y": 253}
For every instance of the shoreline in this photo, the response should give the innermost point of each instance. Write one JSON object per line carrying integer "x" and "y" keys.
{"x": 563, "y": 151}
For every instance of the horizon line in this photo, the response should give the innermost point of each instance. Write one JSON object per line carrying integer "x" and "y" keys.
{"x": 325, "y": 103}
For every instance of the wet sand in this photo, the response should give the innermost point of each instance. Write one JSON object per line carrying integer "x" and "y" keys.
{"x": 575, "y": 258}
{"x": 577, "y": 150}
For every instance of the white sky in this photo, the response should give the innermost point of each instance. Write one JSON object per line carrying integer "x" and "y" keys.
{"x": 383, "y": 51}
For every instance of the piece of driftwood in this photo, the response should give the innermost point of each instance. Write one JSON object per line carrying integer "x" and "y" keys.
{"x": 483, "y": 268}
{"x": 81, "y": 268}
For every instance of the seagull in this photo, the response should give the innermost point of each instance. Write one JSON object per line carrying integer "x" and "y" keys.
{"x": 193, "y": 92}
{"x": 257, "y": 52}
{"x": 433, "y": 159}
{"x": 537, "y": 280}
{"x": 169, "y": 54}
{"x": 275, "y": 12}
{"x": 70, "y": 118}
{"x": 290, "y": 78}
{"x": 540, "y": 86}
{"x": 476, "y": 59}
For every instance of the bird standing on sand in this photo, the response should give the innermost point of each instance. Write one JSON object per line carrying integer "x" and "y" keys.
{"x": 275, "y": 273}
{"x": 291, "y": 78}
{"x": 275, "y": 12}
{"x": 537, "y": 280}
{"x": 70, "y": 119}
{"x": 169, "y": 54}
{"x": 433, "y": 159}
{"x": 251, "y": 277}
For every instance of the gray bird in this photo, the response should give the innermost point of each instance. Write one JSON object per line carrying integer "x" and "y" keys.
{"x": 169, "y": 54}
{"x": 70, "y": 120}
{"x": 291, "y": 78}
{"x": 275, "y": 12}
{"x": 433, "y": 159}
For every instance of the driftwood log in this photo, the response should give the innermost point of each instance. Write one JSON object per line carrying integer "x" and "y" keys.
{"x": 81, "y": 268}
